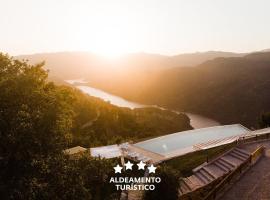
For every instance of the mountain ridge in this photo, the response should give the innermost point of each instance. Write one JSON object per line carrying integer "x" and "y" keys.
{"x": 237, "y": 84}
{"x": 68, "y": 64}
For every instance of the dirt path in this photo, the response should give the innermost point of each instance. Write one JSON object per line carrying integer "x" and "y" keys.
{"x": 90, "y": 123}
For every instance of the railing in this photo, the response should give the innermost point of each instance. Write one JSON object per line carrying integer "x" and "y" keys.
{"x": 254, "y": 137}
{"x": 252, "y": 159}
{"x": 257, "y": 154}
{"x": 261, "y": 134}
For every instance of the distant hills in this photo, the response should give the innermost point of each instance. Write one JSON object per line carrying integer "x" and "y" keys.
{"x": 192, "y": 59}
{"x": 229, "y": 87}
{"x": 80, "y": 64}
{"x": 230, "y": 90}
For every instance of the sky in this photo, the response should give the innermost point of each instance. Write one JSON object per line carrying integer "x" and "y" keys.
{"x": 116, "y": 27}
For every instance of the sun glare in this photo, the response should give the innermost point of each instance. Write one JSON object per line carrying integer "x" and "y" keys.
{"x": 111, "y": 43}
{"x": 110, "y": 51}
{"x": 110, "y": 37}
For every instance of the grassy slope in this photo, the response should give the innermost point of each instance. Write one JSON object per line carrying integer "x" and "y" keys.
{"x": 185, "y": 164}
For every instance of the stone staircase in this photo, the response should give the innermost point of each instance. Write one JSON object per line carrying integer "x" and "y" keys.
{"x": 213, "y": 170}
{"x": 135, "y": 195}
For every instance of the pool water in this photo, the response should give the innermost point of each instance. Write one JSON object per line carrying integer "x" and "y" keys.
{"x": 169, "y": 143}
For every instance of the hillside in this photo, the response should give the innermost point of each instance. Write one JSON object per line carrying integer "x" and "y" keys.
{"x": 118, "y": 76}
{"x": 96, "y": 122}
{"x": 193, "y": 59}
{"x": 230, "y": 90}
{"x": 99, "y": 123}
{"x": 70, "y": 65}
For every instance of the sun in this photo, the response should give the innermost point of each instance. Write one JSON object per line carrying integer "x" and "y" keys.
{"x": 111, "y": 51}
{"x": 108, "y": 37}
{"x": 111, "y": 45}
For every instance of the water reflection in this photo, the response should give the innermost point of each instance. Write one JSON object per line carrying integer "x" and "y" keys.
{"x": 196, "y": 121}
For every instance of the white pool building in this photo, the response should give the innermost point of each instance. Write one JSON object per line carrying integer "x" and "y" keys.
{"x": 186, "y": 141}
{"x": 173, "y": 145}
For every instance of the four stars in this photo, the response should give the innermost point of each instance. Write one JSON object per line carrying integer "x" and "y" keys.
{"x": 141, "y": 165}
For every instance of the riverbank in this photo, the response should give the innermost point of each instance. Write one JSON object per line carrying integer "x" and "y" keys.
{"x": 196, "y": 121}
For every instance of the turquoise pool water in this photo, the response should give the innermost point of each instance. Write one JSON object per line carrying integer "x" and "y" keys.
{"x": 181, "y": 140}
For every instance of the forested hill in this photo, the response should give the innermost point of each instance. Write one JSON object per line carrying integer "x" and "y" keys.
{"x": 230, "y": 90}
{"x": 39, "y": 120}
{"x": 99, "y": 123}
{"x": 91, "y": 121}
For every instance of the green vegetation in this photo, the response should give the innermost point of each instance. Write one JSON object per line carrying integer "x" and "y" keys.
{"x": 229, "y": 90}
{"x": 185, "y": 164}
{"x": 99, "y": 123}
{"x": 264, "y": 120}
{"x": 38, "y": 120}
{"x": 171, "y": 170}
{"x": 167, "y": 188}
{"x": 234, "y": 89}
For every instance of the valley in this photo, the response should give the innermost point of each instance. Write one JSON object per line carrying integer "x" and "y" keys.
{"x": 196, "y": 121}
{"x": 229, "y": 89}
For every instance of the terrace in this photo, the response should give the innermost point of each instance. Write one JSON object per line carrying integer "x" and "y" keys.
{"x": 177, "y": 144}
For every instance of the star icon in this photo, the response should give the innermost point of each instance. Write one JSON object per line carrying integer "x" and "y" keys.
{"x": 141, "y": 165}
{"x": 118, "y": 169}
{"x": 128, "y": 165}
{"x": 152, "y": 169}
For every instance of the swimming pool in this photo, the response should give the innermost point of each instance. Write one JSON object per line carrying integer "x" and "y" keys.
{"x": 167, "y": 144}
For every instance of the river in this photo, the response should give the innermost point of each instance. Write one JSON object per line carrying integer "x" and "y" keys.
{"x": 196, "y": 121}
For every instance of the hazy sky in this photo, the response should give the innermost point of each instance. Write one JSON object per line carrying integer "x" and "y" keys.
{"x": 114, "y": 27}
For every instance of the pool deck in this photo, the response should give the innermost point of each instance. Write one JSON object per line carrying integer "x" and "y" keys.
{"x": 181, "y": 143}
{"x": 155, "y": 157}
{"x": 158, "y": 158}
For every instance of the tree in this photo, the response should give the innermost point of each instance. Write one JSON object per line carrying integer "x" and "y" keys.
{"x": 167, "y": 188}
{"x": 264, "y": 120}
{"x": 35, "y": 119}
{"x": 39, "y": 119}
